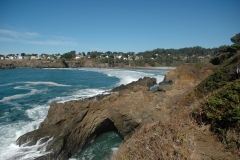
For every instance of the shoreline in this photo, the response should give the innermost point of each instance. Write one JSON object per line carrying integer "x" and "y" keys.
{"x": 128, "y": 68}
{"x": 11, "y": 64}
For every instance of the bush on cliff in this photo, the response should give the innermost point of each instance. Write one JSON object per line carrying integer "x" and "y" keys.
{"x": 225, "y": 52}
{"x": 236, "y": 38}
{"x": 220, "y": 94}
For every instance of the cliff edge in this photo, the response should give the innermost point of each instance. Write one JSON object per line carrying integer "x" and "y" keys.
{"x": 71, "y": 125}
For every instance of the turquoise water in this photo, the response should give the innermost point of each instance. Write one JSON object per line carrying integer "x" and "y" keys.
{"x": 26, "y": 94}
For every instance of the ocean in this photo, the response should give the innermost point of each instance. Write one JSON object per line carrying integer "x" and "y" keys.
{"x": 26, "y": 95}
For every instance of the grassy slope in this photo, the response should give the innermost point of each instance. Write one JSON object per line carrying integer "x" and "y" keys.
{"x": 213, "y": 104}
{"x": 221, "y": 105}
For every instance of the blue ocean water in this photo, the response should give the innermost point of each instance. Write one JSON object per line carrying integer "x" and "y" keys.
{"x": 26, "y": 94}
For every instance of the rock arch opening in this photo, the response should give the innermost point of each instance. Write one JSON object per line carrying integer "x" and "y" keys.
{"x": 102, "y": 143}
{"x": 105, "y": 126}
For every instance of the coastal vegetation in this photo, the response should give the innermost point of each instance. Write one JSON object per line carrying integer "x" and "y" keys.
{"x": 221, "y": 93}
{"x": 154, "y": 58}
{"x": 204, "y": 123}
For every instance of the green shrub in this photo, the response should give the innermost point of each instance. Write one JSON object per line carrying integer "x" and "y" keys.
{"x": 221, "y": 93}
{"x": 221, "y": 57}
{"x": 223, "y": 107}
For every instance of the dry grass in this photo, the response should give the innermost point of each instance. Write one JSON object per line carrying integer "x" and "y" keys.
{"x": 180, "y": 136}
{"x": 161, "y": 140}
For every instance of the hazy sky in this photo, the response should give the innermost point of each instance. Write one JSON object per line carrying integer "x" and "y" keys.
{"x": 59, "y": 26}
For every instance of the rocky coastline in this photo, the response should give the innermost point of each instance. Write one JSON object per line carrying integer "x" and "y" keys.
{"x": 4, "y": 64}
{"x": 71, "y": 125}
{"x": 74, "y": 124}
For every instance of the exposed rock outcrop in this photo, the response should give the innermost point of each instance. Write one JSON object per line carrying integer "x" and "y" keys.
{"x": 7, "y": 66}
{"x": 76, "y": 123}
{"x": 146, "y": 81}
{"x": 70, "y": 126}
{"x": 33, "y": 63}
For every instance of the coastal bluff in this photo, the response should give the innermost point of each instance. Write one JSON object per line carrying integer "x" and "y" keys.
{"x": 70, "y": 126}
{"x": 33, "y": 63}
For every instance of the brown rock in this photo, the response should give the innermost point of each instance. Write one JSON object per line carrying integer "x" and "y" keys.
{"x": 73, "y": 124}
{"x": 146, "y": 81}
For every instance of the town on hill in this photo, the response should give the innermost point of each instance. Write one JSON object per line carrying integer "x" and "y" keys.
{"x": 155, "y": 58}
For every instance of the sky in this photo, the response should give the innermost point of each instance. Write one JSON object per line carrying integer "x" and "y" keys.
{"x": 60, "y": 26}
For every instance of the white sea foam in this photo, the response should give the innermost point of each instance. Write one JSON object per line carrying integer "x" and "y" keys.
{"x": 27, "y": 86}
{"x": 81, "y": 94}
{"x": 25, "y": 152}
{"x": 109, "y": 75}
{"x": 7, "y": 84}
{"x": 114, "y": 149}
{"x": 10, "y": 132}
{"x": 18, "y": 96}
{"x": 38, "y": 112}
{"x": 46, "y": 83}
{"x": 127, "y": 76}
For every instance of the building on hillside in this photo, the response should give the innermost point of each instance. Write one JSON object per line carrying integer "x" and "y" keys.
{"x": 79, "y": 56}
{"x": 32, "y": 57}
{"x": 138, "y": 57}
{"x": 26, "y": 57}
{"x": 119, "y": 56}
{"x": 19, "y": 57}
{"x": 10, "y": 57}
{"x": 183, "y": 58}
{"x": 2, "y": 57}
{"x": 130, "y": 58}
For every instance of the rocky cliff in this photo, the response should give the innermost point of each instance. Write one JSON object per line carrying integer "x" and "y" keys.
{"x": 33, "y": 63}
{"x": 55, "y": 63}
{"x": 71, "y": 125}
{"x": 7, "y": 66}
{"x": 76, "y": 123}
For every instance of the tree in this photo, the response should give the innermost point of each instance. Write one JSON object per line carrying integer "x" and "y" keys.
{"x": 69, "y": 55}
{"x": 93, "y": 55}
{"x": 108, "y": 52}
{"x": 23, "y": 54}
{"x": 236, "y": 38}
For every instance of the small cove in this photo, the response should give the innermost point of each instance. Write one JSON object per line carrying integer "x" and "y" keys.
{"x": 26, "y": 94}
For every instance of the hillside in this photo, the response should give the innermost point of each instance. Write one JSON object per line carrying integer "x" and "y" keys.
{"x": 201, "y": 120}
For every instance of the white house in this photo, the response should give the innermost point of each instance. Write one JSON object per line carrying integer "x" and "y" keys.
{"x": 19, "y": 57}
{"x": 79, "y": 56}
{"x": 119, "y": 56}
{"x": 10, "y": 57}
{"x": 32, "y": 57}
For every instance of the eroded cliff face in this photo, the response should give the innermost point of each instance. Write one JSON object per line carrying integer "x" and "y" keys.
{"x": 71, "y": 125}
